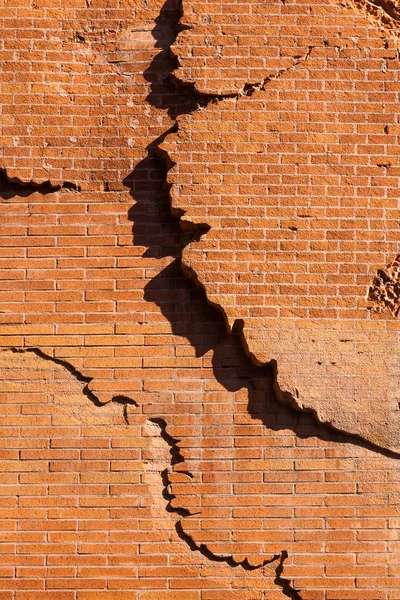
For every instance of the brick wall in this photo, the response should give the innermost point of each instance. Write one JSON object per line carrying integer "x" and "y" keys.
{"x": 143, "y": 452}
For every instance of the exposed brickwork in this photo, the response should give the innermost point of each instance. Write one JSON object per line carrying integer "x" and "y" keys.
{"x": 227, "y": 46}
{"x": 299, "y": 183}
{"x": 137, "y": 409}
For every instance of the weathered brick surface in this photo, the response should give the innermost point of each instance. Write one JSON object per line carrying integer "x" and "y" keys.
{"x": 226, "y": 46}
{"x": 298, "y": 181}
{"x": 143, "y": 454}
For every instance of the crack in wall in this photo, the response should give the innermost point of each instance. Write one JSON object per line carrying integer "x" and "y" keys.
{"x": 284, "y": 399}
{"x": 177, "y": 458}
{"x": 125, "y": 401}
{"x": 249, "y": 89}
{"x": 13, "y": 186}
{"x": 199, "y": 101}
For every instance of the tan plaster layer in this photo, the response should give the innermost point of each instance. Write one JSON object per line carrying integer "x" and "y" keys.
{"x": 299, "y": 184}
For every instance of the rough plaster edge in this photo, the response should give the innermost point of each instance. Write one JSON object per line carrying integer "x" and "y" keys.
{"x": 125, "y": 401}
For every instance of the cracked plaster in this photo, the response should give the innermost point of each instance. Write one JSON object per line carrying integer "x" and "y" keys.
{"x": 298, "y": 184}
{"x": 29, "y": 375}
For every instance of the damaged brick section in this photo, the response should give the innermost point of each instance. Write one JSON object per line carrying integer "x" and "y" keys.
{"x": 178, "y": 472}
{"x": 222, "y": 51}
{"x": 225, "y": 52}
{"x": 290, "y": 181}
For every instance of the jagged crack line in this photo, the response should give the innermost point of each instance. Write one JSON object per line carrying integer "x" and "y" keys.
{"x": 288, "y": 590}
{"x": 283, "y": 397}
{"x": 229, "y": 560}
{"x": 176, "y": 458}
{"x": 13, "y": 186}
{"x": 249, "y": 89}
{"x": 119, "y": 399}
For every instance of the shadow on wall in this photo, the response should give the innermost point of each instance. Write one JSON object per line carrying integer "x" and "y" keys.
{"x": 187, "y": 310}
{"x": 153, "y": 224}
{"x": 181, "y": 302}
{"x": 9, "y": 188}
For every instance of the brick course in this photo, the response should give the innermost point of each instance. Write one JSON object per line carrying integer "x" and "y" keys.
{"x": 297, "y": 178}
{"x": 131, "y": 408}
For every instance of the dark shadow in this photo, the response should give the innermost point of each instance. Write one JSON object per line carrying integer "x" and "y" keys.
{"x": 287, "y": 589}
{"x": 164, "y": 94}
{"x": 191, "y": 316}
{"x": 11, "y": 187}
{"x": 153, "y": 225}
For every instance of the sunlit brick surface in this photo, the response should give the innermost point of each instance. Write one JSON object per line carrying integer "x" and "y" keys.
{"x": 143, "y": 455}
{"x": 299, "y": 182}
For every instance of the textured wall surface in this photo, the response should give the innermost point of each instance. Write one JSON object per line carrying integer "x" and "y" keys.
{"x": 147, "y": 450}
{"x": 297, "y": 177}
